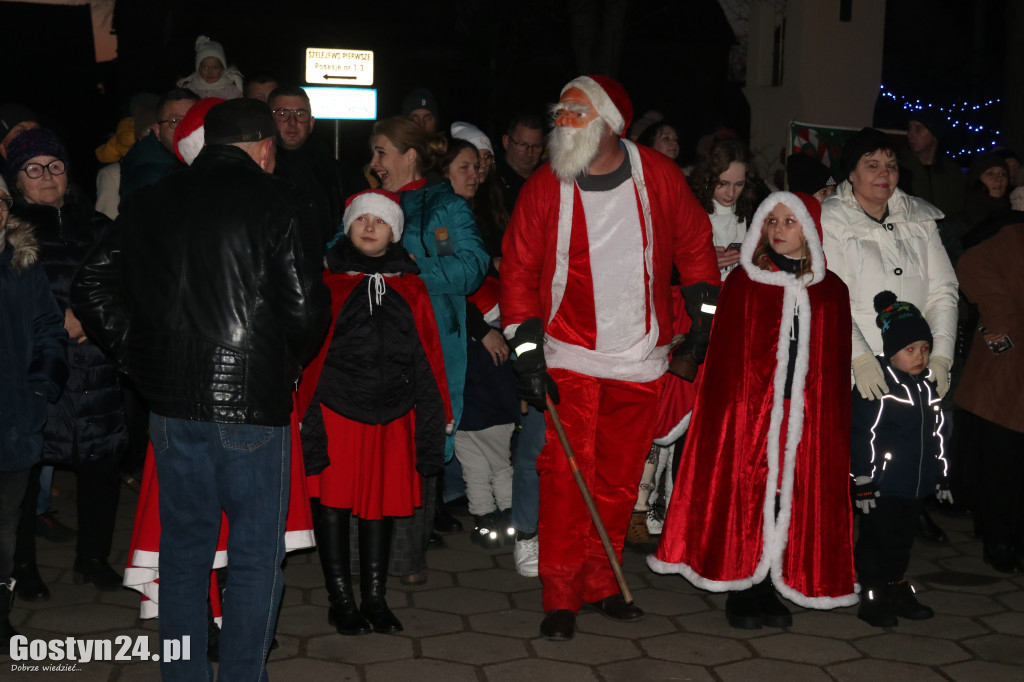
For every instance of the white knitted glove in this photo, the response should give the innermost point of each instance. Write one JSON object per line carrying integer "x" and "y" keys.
{"x": 865, "y": 490}
{"x": 868, "y": 375}
{"x": 940, "y": 372}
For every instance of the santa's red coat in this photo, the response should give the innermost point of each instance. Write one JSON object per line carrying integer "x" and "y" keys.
{"x": 721, "y": 531}
{"x": 545, "y": 268}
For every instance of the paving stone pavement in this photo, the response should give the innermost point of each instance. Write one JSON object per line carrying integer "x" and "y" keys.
{"x": 477, "y": 620}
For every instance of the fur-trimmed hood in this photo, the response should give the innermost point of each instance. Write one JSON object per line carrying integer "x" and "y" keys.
{"x": 21, "y": 239}
{"x": 811, "y": 226}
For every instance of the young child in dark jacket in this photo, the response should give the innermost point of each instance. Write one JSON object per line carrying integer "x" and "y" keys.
{"x": 379, "y": 410}
{"x": 896, "y": 461}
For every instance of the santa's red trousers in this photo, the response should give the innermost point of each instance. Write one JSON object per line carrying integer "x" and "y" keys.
{"x": 610, "y": 425}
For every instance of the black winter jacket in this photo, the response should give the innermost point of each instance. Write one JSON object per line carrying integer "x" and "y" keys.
{"x": 897, "y": 440}
{"x": 87, "y": 423}
{"x": 32, "y": 337}
{"x": 376, "y": 369}
{"x": 203, "y": 294}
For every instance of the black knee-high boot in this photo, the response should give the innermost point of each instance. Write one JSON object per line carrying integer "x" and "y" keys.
{"x": 332, "y": 543}
{"x": 374, "y": 548}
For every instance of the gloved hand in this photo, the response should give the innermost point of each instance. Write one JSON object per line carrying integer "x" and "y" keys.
{"x": 942, "y": 491}
{"x": 864, "y": 491}
{"x": 940, "y": 367}
{"x": 532, "y": 378}
{"x": 867, "y": 373}
{"x": 700, "y": 300}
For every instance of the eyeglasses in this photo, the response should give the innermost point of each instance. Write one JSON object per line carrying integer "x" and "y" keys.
{"x": 528, "y": 148}
{"x": 6, "y": 203}
{"x": 282, "y": 115}
{"x": 35, "y": 170}
{"x": 172, "y": 122}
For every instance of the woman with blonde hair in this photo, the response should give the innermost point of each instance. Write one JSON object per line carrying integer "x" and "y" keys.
{"x": 761, "y": 503}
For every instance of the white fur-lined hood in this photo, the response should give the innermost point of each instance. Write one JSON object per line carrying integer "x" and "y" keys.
{"x": 811, "y": 232}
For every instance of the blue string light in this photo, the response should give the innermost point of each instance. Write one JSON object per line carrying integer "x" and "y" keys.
{"x": 953, "y": 114}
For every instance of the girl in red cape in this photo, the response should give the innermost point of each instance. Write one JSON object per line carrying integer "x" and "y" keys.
{"x": 374, "y": 407}
{"x": 761, "y": 500}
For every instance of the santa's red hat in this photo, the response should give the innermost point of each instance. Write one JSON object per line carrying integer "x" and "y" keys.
{"x": 609, "y": 98}
{"x": 379, "y": 202}
{"x": 190, "y": 135}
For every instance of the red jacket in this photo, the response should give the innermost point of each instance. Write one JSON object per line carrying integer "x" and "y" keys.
{"x": 679, "y": 227}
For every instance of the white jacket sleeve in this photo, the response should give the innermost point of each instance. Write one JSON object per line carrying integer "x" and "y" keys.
{"x": 833, "y": 232}
{"x": 941, "y": 309}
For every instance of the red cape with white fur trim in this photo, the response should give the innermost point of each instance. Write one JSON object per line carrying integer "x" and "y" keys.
{"x": 721, "y": 532}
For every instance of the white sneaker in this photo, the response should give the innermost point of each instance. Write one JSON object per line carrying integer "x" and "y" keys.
{"x": 526, "y": 553}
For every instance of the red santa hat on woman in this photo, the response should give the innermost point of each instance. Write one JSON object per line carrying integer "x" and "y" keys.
{"x": 379, "y": 202}
{"x": 609, "y": 98}
{"x": 190, "y": 135}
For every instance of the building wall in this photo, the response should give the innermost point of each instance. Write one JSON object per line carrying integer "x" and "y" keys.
{"x": 831, "y": 70}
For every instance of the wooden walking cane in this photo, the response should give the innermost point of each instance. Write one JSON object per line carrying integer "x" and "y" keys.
{"x": 589, "y": 500}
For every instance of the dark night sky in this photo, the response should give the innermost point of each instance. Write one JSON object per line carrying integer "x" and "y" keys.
{"x": 484, "y": 60}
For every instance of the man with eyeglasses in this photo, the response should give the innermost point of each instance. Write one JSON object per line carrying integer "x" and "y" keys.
{"x": 150, "y": 158}
{"x": 524, "y": 145}
{"x": 310, "y": 168}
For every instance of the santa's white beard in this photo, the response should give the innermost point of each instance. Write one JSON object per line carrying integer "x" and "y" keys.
{"x": 572, "y": 150}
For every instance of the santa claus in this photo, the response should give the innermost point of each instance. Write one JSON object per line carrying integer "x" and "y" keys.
{"x": 586, "y": 300}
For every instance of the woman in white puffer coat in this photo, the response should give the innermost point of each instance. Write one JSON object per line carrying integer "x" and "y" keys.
{"x": 876, "y": 237}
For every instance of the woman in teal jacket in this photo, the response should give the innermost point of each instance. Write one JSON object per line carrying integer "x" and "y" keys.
{"x": 441, "y": 235}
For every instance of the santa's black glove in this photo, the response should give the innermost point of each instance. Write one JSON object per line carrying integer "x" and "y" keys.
{"x": 700, "y": 300}
{"x": 864, "y": 490}
{"x": 532, "y": 378}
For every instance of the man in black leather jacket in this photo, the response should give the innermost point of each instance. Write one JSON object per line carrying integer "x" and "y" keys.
{"x": 202, "y": 294}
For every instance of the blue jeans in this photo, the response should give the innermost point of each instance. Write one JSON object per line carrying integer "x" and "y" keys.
{"x": 202, "y": 468}
{"x": 525, "y": 481}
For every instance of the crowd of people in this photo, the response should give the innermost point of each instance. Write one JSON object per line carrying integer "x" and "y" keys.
{"x": 734, "y": 372}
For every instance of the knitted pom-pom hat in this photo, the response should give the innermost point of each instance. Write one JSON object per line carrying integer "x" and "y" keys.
{"x": 901, "y": 323}
{"x": 205, "y": 47}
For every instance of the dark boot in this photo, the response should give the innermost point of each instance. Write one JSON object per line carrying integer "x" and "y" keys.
{"x": 6, "y": 629}
{"x": 876, "y": 607}
{"x": 928, "y": 530}
{"x": 507, "y": 529}
{"x": 774, "y": 613}
{"x": 487, "y": 531}
{"x": 332, "y": 543}
{"x": 742, "y": 612}
{"x": 904, "y": 602}
{"x": 374, "y": 548}
{"x": 30, "y": 585}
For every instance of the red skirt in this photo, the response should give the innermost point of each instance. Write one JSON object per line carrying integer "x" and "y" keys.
{"x": 372, "y": 469}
